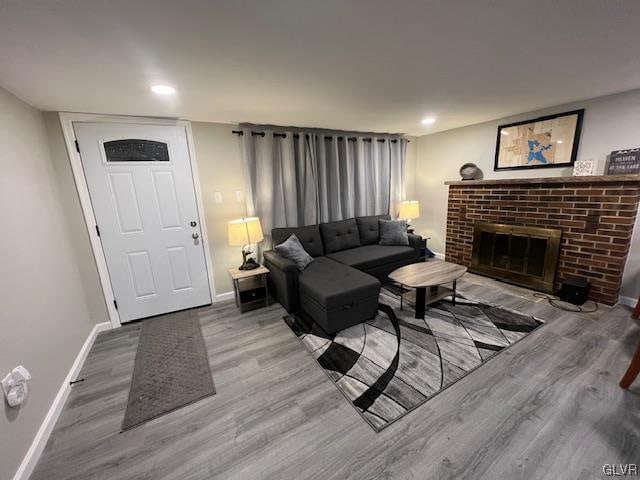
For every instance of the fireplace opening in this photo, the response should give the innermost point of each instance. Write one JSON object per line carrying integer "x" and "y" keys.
{"x": 526, "y": 256}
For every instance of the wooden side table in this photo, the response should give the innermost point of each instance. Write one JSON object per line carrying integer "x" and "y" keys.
{"x": 424, "y": 249}
{"x": 250, "y": 288}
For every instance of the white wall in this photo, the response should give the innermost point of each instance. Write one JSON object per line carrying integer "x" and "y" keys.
{"x": 44, "y": 314}
{"x": 610, "y": 123}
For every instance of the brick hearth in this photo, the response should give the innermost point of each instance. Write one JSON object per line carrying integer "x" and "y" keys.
{"x": 596, "y": 215}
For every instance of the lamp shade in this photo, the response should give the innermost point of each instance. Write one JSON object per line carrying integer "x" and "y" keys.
{"x": 409, "y": 209}
{"x": 245, "y": 231}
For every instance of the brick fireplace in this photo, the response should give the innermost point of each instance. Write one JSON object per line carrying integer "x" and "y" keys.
{"x": 596, "y": 216}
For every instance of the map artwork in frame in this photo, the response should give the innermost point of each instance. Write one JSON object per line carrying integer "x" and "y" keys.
{"x": 545, "y": 142}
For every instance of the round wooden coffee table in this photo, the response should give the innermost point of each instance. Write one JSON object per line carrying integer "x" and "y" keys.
{"x": 428, "y": 275}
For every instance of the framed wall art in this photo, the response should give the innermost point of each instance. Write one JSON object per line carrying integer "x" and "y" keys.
{"x": 545, "y": 142}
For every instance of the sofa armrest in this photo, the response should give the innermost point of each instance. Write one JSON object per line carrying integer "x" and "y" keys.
{"x": 283, "y": 280}
{"x": 279, "y": 262}
{"x": 416, "y": 241}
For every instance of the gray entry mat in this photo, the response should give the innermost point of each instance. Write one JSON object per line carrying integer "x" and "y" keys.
{"x": 171, "y": 369}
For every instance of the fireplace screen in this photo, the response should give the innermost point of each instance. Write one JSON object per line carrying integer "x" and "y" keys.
{"x": 526, "y": 256}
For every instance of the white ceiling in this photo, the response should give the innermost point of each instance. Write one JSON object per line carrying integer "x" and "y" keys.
{"x": 370, "y": 65}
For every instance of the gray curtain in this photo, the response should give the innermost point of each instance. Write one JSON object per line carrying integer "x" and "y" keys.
{"x": 314, "y": 176}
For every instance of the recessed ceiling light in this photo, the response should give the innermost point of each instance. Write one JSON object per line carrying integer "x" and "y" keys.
{"x": 559, "y": 141}
{"x": 163, "y": 89}
{"x": 428, "y": 121}
{"x": 504, "y": 132}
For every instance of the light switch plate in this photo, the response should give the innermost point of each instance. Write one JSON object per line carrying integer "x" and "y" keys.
{"x": 217, "y": 197}
{"x": 239, "y": 195}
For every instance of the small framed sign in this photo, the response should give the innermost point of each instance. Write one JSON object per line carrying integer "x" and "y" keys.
{"x": 584, "y": 167}
{"x": 624, "y": 162}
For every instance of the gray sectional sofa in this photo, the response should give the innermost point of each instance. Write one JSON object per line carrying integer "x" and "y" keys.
{"x": 340, "y": 287}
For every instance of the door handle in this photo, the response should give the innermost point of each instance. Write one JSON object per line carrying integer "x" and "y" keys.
{"x": 195, "y": 236}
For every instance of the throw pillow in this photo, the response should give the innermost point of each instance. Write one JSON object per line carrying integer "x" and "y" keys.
{"x": 292, "y": 249}
{"x": 393, "y": 232}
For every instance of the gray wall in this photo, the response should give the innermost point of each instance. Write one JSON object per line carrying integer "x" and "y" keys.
{"x": 610, "y": 123}
{"x": 44, "y": 315}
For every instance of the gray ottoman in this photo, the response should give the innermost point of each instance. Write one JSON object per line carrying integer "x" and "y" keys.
{"x": 336, "y": 296}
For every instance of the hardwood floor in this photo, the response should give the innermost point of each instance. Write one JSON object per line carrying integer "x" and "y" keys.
{"x": 548, "y": 407}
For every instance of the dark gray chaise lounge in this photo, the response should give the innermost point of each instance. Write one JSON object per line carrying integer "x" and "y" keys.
{"x": 340, "y": 287}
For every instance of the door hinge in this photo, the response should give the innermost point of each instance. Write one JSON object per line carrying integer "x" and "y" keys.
{"x": 115, "y": 304}
{"x": 98, "y": 230}
{"x": 77, "y": 146}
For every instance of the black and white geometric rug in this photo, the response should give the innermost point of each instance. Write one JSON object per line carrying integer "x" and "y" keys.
{"x": 393, "y": 363}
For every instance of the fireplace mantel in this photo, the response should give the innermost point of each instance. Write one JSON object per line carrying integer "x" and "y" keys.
{"x": 550, "y": 180}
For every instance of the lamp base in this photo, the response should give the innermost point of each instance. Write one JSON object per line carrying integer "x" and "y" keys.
{"x": 248, "y": 264}
{"x": 409, "y": 229}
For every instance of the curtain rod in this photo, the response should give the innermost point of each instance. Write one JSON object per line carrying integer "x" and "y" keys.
{"x": 327, "y": 137}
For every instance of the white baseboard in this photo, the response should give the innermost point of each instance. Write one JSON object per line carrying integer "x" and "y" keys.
{"x": 37, "y": 446}
{"x": 439, "y": 255}
{"x": 628, "y": 301}
{"x": 221, "y": 297}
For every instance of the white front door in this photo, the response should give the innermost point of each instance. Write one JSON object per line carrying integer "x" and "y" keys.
{"x": 141, "y": 187}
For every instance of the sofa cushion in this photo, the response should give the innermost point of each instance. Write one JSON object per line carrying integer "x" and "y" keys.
{"x": 393, "y": 232}
{"x": 292, "y": 249}
{"x": 309, "y": 237}
{"x": 369, "y": 229}
{"x": 340, "y": 235}
{"x": 332, "y": 284}
{"x": 371, "y": 256}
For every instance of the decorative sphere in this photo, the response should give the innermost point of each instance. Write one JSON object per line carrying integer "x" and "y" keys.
{"x": 468, "y": 171}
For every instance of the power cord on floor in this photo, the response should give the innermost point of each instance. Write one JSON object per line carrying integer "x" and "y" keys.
{"x": 553, "y": 301}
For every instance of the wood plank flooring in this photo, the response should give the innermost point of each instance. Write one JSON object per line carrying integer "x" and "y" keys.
{"x": 548, "y": 407}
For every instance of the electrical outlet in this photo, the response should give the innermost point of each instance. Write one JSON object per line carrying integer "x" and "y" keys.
{"x": 15, "y": 386}
{"x": 217, "y": 197}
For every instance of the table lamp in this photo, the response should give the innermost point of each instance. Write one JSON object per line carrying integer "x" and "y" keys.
{"x": 409, "y": 209}
{"x": 243, "y": 232}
